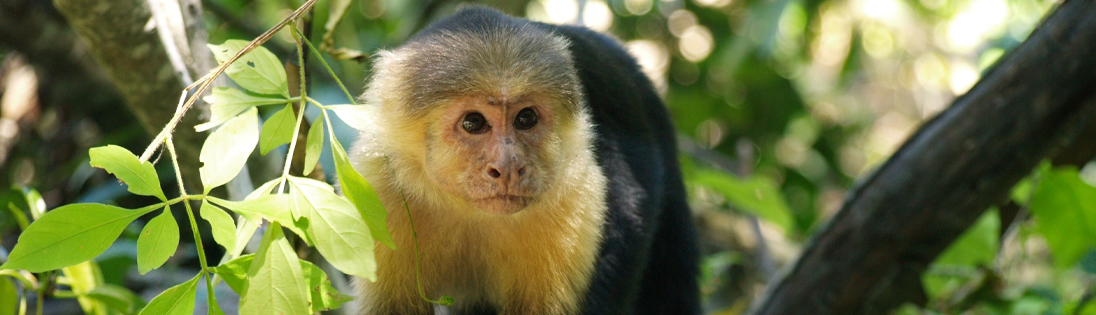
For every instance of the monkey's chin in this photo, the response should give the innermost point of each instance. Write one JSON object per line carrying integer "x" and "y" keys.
{"x": 503, "y": 205}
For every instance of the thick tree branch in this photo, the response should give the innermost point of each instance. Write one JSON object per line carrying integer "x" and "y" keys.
{"x": 135, "y": 60}
{"x": 869, "y": 258}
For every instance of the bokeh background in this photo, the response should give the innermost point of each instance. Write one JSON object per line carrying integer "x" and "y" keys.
{"x": 780, "y": 106}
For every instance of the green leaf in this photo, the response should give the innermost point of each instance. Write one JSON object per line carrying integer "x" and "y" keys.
{"x": 1088, "y": 262}
{"x": 323, "y": 295}
{"x": 757, "y": 195}
{"x": 277, "y": 130}
{"x": 258, "y": 71}
{"x": 9, "y": 297}
{"x": 178, "y": 300}
{"x": 358, "y": 117}
{"x": 977, "y": 246}
{"x": 35, "y": 203}
{"x": 336, "y": 228}
{"x": 272, "y": 207}
{"x": 214, "y": 309}
{"x": 274, "y": 278}
{"x": 83, "y": 278}
{"x": 224, "y": 229}
{"x": 362, "y": 195}
{"x": 1065, "y": 214}
{"x": 336, "y": 10}
{"x": 139, "y": 176}
{"x": 313, "y": 145}
{"x": 158, "y": 241}
{"x": 117, "y": 297}
{"x": 69, "y": 235}
{"x": 234, "y": 272}
{"x": 226, "y": 103}
{"x": 226, "y": 150}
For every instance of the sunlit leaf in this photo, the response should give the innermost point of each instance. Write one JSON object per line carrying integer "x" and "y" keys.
{"x": 356, "y": 116}
{"x": 323, "y": 295}
{"x": 277, "y": 130}
{"x": 226, "y": 103}
{"x": 177, "y": 300}
{"x": 258, "y": 71}
{"x": 275, "y": 284}
{"x": 69, "y": 235}
{"x": 35, "y": 202}
{"x": 139, "y": 176}
{"x": 362, "y": 195}
{"x": 336, "y": 227}
{"x": 226, "y": 150}
{"x": 81, "y": 279}
{"x": 313, "y": 145}
{"x": 224, "y": 230}
{"x": 757, "y": 195}
{"x": 158, "y": 241}
{"x": 118, "y": 298}
{"x": 272, "y": 207}
{"x": 1065, "y": 214}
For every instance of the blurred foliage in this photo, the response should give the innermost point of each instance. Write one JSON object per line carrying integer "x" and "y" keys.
{"x": 800, "y": 97}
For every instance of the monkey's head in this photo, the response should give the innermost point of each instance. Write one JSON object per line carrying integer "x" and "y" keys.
{"x": 486, "y": 116}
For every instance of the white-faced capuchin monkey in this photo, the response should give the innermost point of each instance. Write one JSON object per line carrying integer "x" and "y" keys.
{"x": 540, "y": 171}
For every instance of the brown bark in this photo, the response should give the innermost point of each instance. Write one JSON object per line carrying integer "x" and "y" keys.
{"x": 869, "y": 258}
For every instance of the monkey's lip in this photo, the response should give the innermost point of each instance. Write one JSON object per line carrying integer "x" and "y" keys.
{"x": 503, "y": 204}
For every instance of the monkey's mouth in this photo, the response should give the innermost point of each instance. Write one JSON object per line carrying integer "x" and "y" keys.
{"x": 503, "y": 204}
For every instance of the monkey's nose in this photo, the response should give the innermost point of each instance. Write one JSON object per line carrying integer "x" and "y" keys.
{"x": 505, "y": 173}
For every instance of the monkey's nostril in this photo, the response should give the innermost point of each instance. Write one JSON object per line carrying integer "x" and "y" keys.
{"x": 494, "y": 173}
{"x": 521, "y": 171}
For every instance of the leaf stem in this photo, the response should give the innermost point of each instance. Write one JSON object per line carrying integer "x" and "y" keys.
{"x": 193, "y": 222}
{"x": 300, "y": 112}
{"x": 325, "y": 65}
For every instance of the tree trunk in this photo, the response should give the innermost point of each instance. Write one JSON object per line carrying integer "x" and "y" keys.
{"x": 136, "y": 61}
{"x": 869, "y": 258}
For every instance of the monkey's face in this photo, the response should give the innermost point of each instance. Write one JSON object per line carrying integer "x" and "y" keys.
{"x": 494, "y": 152}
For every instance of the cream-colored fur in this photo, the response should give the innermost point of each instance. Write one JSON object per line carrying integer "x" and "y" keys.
{"x": 536, "y": 261}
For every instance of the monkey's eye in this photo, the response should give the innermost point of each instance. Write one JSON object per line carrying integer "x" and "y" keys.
{"x": 527, "y": 118}
{"x": 474, "y": 123}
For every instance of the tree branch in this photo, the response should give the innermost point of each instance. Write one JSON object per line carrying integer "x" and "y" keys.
{"x": 869, "y": 258}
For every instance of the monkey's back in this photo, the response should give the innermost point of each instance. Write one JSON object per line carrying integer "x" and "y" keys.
{"x": 648, "y": 260}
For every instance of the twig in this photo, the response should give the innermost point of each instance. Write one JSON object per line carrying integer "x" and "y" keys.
{"x": 207, "y": 80}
